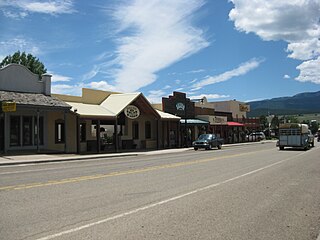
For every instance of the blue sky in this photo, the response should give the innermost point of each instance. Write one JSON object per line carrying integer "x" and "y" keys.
{"x": 237, "y": 49}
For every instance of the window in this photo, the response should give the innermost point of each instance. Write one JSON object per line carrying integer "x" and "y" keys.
{"x": 82, "y": 132}
{"x": 60, "y": 131}
{"x": 27, "y": 131}
{"x": 15, "y": 131}
{"x": 135, "y": 130}
{"x": 148, "y": 130}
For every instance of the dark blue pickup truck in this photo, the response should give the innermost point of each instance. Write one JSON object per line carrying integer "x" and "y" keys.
{"x": 208, "y": 141}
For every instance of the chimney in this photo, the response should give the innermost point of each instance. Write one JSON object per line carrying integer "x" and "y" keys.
{"x": 46, "y": 78}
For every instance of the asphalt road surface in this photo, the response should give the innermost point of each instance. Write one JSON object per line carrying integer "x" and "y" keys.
{"x": 244, "y": 192}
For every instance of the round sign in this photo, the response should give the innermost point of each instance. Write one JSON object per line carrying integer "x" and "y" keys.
{"x": 180, "y": 106}
{"x": 132, "y": 112}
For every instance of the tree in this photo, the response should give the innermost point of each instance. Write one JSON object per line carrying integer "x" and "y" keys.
{"x": 275, "y": 122}
{"x": 314, "y": 127}
{"x": 31, "y": 62}
{"x": 264, "y": 121}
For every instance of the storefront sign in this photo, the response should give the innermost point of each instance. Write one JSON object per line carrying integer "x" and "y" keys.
{"x": 219, "y": 120}
{"x": 132, "y": 112}
{"x": 244, "y": 108}
{"x": 180, "y": 106}
{"x": 8, "y": 106}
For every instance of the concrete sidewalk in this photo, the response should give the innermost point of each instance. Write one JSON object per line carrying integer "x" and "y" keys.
{"x": 46, "y": 158}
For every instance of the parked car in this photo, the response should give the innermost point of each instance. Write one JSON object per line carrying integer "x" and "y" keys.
{"x": 208, "y": 141}
{"x": 256, "y": 136}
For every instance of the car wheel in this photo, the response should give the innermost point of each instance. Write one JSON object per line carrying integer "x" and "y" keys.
{"x": 196, "y": 149}
{"x": 281, "y": 148}
{"x": 219, "y": 146}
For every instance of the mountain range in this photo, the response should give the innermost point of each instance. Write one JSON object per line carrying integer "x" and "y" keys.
{"x": 302, "y": 103}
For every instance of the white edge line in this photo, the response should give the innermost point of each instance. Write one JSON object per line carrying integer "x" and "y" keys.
{"x": 163, "y": 202}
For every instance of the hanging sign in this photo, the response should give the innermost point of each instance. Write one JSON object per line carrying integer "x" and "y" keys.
{"x": 132, "y": 112}
{"x": 8, "y": 106}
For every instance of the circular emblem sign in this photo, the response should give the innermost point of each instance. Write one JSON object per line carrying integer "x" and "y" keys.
{"x": 180, "y": 106}
{"x": 132, "y": 112}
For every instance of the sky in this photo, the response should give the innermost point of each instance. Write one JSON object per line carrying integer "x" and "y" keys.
{"x": 238, "y": 49}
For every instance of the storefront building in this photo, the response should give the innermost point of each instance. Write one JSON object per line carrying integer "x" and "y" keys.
{"x": 113, "y": 122}
{"x": 190, "y": 126}
{"x": 31, "y": 120}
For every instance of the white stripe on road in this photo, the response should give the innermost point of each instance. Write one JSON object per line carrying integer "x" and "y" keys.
{"x": 164, "y": 201}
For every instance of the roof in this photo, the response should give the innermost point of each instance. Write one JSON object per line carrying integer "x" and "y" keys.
{"x": 194, "y": 121}
{"x": 90, "y": 110}
{"x": 34, "y": 99}
{"x": 235, "y": 124}
{"x": 116, "y": 103}
{"x": 167, "y": 116}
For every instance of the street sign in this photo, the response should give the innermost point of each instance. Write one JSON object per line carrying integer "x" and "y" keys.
{"x": 9, "y": 107}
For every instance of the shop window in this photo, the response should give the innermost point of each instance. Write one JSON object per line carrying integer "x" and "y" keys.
{"x": 82, "y": 132}
{"x": 15, "y": 131}
{"x": 60, "y": 131}
{"x": 135, "y": 130}
{"x": 27, "y": 131}
{"x": 148, "y": 130}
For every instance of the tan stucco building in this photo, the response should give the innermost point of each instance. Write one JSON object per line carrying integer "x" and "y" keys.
{"x": 32, "y": 121}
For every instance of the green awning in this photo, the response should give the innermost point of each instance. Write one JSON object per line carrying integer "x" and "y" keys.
{"x": 194, "y": 121}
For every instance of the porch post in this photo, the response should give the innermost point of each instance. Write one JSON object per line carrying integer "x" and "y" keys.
{"x": 78, "y": 134}
{"x": 65, "y": 131}
{"x": 38, "y": 131}
{"x": 116, "y": 135}
{"x": 168, "y": 133}
{"x": 98, "y": 136}
{"x": 6, "y": 136}
{"x": 158, "y": 135}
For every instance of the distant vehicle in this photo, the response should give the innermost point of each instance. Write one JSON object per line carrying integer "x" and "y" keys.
{"x": 208, "y": 141}
{"x": 295, "y": 135}
{"x": 256, "y": 136}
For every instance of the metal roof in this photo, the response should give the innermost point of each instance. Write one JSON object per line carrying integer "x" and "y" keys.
{"x": 116, "y": 103}
{"x": 91, "y": 110}
{"x": 167, "y": 116}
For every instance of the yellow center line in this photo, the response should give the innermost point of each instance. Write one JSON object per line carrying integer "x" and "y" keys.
{"x": 113, "y": 174}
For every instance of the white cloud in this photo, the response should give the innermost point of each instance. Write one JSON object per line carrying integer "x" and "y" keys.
{"x": 197, "y": 71}
{"x": 241, "y": 70}
{"x": 76, "y": 89}
{"x": 59, "y": 78}
{"x": 10, "y": 46}
{"x": 102, "y": 85}
{"x": 286, "y": 76}
{"x": 296, "y": 22}
{"x": 153, "y": 35}
{"x": 309, "y": 71}
{"x": 155, "y": 96}
{"x": 21, "y": 8}
{"x": 209, "y": 96}
{"x": 177, "y": 81}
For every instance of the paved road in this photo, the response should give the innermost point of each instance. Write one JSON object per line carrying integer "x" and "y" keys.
{"x": 245, "y": 192}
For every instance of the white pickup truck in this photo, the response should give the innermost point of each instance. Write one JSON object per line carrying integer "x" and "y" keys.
{"x": 295, "y": 135}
